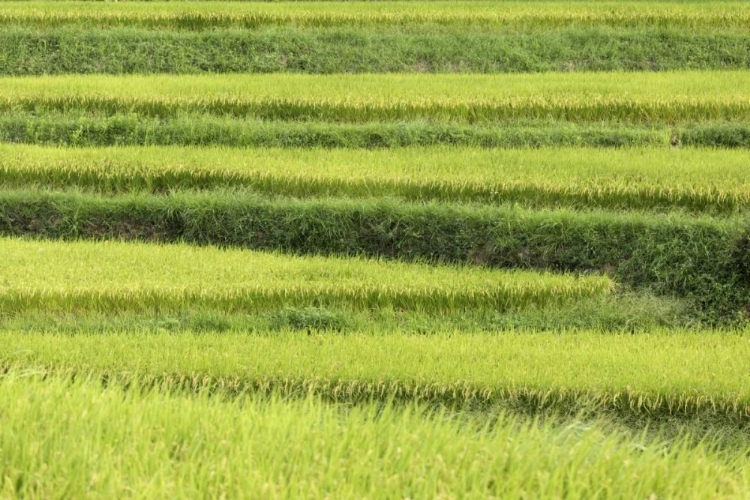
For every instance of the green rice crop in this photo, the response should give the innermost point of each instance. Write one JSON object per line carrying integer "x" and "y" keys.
{"x": 111, "y": 276}
{"x": 88, "y": 441}
{"x": 660, "y": 374}
{"x": 418, "y": 235}
{"x": 513, "y": 15}
{"x": 592, "y": 97}
{"x": 700, "y": 180}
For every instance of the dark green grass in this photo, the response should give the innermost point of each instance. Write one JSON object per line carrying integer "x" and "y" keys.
{"x": 71, "y": 129}
{"x": 121, "y": 51}
{"x": 703, "y": 259}
{"x": 620, "y": 312}
{"x": 728, "y": 135}
{"x": 202, "y": 130}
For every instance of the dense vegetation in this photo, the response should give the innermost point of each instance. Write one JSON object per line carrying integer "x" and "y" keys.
{"x": 374, "y": 249}
{"x": 196, "y": 446}
{"x": 662, "y": 374}
{"x": 625, "y": 179}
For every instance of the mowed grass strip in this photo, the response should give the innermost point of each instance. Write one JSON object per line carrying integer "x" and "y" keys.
{"x": 665, "y": 98}
{"x": 113, "y": 276}
{"x": 159, "y": 445}
{"x": 713, "y": 181}
{"x": 507, "y": 15}
{"x": 661, "y": 374}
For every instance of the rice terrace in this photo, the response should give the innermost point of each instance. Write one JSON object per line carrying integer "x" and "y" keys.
{"x": 375, "y": 249}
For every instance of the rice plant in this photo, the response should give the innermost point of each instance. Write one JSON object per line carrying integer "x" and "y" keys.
{"x": 111, "y": 276}
{"x": 663, "y": 374}
{"x": 645, "y": 98}
{"x": 159, "y": 445}
{"x": 543, "y": 15}
{"x": 630, "y": 179}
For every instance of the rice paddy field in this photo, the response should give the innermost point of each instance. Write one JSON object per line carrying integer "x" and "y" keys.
{"x": 375, "y": 249}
